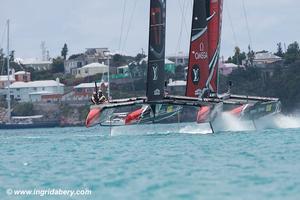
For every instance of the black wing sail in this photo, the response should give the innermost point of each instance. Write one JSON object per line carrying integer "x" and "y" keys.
{"x": 156, "y": 52}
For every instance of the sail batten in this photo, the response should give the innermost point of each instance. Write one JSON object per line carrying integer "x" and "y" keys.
{"x": 156, "y": 52}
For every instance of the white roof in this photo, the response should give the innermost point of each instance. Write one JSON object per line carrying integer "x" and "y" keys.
{"x": 32, "y": 61}
{"x": 48, "y": 83}
{"x": 93, "y": 65}
{"x": 40, "y": 93}
{"x": 167, "y": 61}
{"x": 123, "y": 67}
{"x": 177, "y": 83}
{"x": 5, "y": 78}
{"x": 21, "y": 73}
{"x": 266, "y": 56}
{"x": 229, "y": 65}
{"x": 87, "y": 85}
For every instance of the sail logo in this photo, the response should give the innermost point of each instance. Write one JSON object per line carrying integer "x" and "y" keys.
{"x": 156, "y": 92}
{"x": 201, "y": 54}
{"x": 195, "y": 74}
{"x": 155, "y": 74}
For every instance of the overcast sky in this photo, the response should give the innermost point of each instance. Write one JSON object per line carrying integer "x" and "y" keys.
{"x": 97, "y": 23}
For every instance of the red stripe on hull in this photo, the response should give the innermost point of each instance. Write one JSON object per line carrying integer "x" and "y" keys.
{"x": 92, "y": 117}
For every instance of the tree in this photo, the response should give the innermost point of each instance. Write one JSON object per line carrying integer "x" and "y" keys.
{"x": 139, "y": 57}
{"x": 58, "y": 65}
{"x": 293, "y": 53}
{"x": 64, "y": 51}
{"x": 238, "y": 57}
{"x": 118, "y": 60}
{"x": 179, "y": 72}
{"x": 12, "y": 56}
{"x": 23, "y": 109}
{"x": 279, "y": 50}
{"x": 250, "y": 57}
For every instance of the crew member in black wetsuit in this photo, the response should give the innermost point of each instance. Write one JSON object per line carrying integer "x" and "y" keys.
{"x": 98, "y": 98}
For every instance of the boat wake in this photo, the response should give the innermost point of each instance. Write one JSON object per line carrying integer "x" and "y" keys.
{"x": 286, "y": 121}
{"x": 151, "y": 129}
{"x": 227, "y": 122}
{"x": 224, "y": 123}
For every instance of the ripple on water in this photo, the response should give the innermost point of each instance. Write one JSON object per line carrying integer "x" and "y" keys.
{"x": 240, "y": 165}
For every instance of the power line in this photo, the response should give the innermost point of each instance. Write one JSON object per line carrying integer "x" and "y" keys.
{"x": 129, "y": 26}
{"x": 2, "y": 37}
{"x": 231, "y": 24}
{"x": 247, "y": 24}
{"x": 122, "y": 24}
{"x": 183, "y": 10}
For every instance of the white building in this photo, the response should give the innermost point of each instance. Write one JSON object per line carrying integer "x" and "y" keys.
{"x": 35, "y": 90}
{"x": 37, "y": 64}
{"x": 123, "y": 70}
{"x": 4, "y": 80}
{"x": 179, "y": 59}
{"x": 261, "y": 59}
{"x": 91, "y": 69}
{"x": 177, "y": 87}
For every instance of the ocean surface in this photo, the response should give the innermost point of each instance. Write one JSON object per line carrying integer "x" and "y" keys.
{"x": 129, "y": 164}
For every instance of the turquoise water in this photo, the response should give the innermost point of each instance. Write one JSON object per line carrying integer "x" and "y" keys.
{"x": 227, "y": 165}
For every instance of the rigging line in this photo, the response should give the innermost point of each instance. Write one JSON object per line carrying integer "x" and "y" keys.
{"x": 122, "y": 24}
{"x": 182, "y": 9}
{"x": 247, "y": 24}
{"x": 129, "y": 26}
{"x": 231, "y": 24}
{"x": 2, "y": 45}
{"x": 181, "y": 27}
{"x": 2, "y": 38}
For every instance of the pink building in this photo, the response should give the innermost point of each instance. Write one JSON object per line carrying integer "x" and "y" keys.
{"x": 227, "y": 68}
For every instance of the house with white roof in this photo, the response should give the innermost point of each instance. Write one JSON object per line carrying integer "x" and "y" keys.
{"x": 177, "y": 87}
{"x": 4, "y": 80}
{"x": 179, "y": 59}
{"x": 34, "y": 91}
{"x": 23, "y": 76}
{"x": 90, "y": 70}
{"x": 83, "y": 91}
{"x": 37, "y": 64}
{"x": 264, "y": 58}
{"x": 170, "y": 66}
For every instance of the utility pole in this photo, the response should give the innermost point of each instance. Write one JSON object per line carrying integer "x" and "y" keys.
{"x": 8, "y": 74}
{"x": 108, "y": 74}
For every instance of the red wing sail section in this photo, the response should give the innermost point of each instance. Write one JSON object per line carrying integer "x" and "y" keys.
{"x": 214, "y": 39}
{"x": 198, "y": 68}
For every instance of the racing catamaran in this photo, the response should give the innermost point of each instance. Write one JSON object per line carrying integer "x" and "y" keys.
{"x": 157, "y": 106}
{"x": 202, "y": 79}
